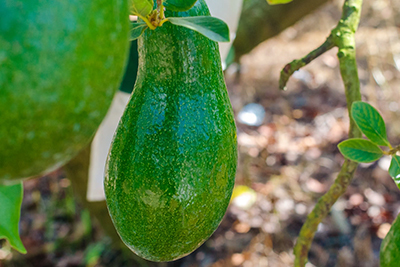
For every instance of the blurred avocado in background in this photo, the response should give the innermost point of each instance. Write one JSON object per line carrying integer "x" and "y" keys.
{"x": 260, "y": 21}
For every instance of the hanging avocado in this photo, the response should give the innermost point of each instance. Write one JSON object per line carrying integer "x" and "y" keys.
{"x": 60, "y": 64}
{"x": 171, "y": 168}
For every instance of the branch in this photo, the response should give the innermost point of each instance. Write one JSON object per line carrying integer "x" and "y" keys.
{"x": 346, "y": 43}
{"x": 342, "y": 37}
{"x": 295, "y": 65}
{"x": 320, "y": 211}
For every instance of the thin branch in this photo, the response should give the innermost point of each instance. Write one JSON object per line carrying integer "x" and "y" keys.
{"x": 295, "y": 65}
{"x": 342, "y": 37}
{"x": 394, "y": 150}
{"x": 320, "y": 211}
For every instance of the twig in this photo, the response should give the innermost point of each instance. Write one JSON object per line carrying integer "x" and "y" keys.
{"x": 295, "y": 65}
{"x": 393, "y": 151}
{"x": 342, "y": 37}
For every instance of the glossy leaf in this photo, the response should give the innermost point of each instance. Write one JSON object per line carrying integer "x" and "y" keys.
{"x": 213, "y": 28}
{"x": 370, "y": 122}
{"x": 390, "y": 248}
{"x": 277, "y": 2}
{"x": 137, "y": 30}
{"x": 394, "y": 169}
{"x": 179, "y": 5}
{"x": 360, "y": 150}
{"x": 10, "y": 210}
{"x": 141, "y": 7}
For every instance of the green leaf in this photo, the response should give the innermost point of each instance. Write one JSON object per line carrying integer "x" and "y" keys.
{"x": 394, "y": 169}
{"x": 212, "y": 28}
{"x": 137, "y": 30}
{"x": 10, "y": 210}
{"x": 277, "y": 2}
{"x": 389, "y": 253}
{"x": 370, "y": 122}
{"x": 179, "y": 5}
{"x": 360, "y": 150}
{"x": 141, "y": 7}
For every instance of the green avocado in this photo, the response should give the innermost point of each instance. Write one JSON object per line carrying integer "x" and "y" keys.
{"x": 172, "y": 164}
{"x": 390, "y": 247}
{"x": 60, "y": 64}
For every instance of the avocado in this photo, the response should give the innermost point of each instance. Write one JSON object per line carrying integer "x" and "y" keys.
{"x": 389, "y": 252}
{"x": 171, "y": 167}
{"x": 60, "y": 64}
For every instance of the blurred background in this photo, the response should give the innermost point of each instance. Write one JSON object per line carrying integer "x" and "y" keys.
{"x": 288, "y": 155}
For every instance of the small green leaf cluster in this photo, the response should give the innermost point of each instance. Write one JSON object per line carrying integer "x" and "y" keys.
{"x": 211, "y": 27}
{"x": 371, "y": 124}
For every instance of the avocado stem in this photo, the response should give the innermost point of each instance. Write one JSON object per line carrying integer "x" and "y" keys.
{"x": 149, "y": 24}
{"x": 156, "y": 18}
{"x": 160, "y": 4}
{"x": 163, "y": 21}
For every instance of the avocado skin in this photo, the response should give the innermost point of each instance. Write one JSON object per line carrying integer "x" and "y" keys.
{"x": 389, "y": 252}
{"x": 172, "y": 164}
{"x": 60, "y": 64}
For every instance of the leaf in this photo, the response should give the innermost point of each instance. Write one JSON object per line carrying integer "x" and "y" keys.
{"x": 141, "y": 7}
{"x": 360, "y": 150}
{"x": 137, "y": 30}
{"x": 212, "y": 28}
{"x": 10, "y": 211}
{"x": 370, "y": 122}
{"x": 394, "y": 169}
{"x": 277, "y": 2}
{"x": 389, "y": 254}
{"x": 179, "y": 5}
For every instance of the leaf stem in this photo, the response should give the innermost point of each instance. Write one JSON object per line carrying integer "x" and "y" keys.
{"x": 162, "y": 16}
{"x": 394, "y": 150}
{"x": 163, "y": 21}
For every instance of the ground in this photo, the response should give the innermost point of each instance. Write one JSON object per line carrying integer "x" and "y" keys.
{"x": 286, "y": 164}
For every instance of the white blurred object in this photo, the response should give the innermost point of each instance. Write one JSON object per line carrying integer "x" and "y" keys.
{"x": 252, "y": 114}
{"x": 243, "y": 197}
{"x": 101, "y": 144}
{"x": 229, "y": 11}
{"x": 396, "y": 59}
{"x": 384, "y": 163}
